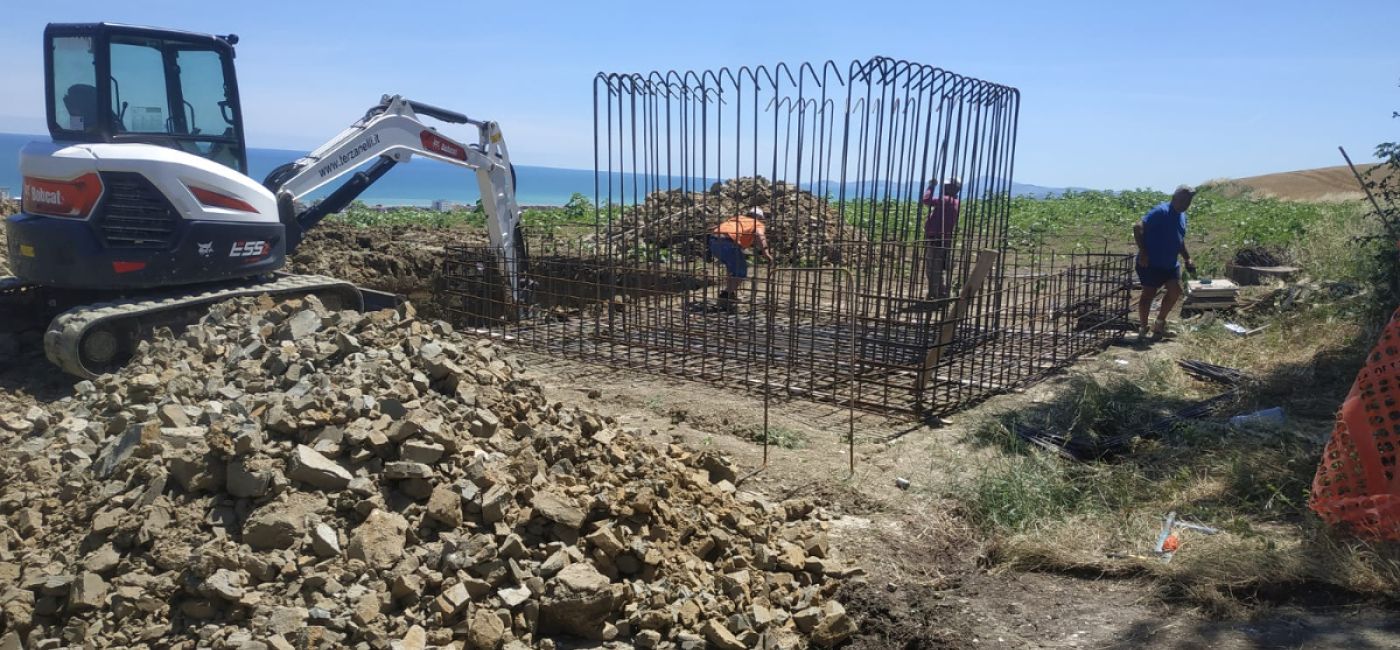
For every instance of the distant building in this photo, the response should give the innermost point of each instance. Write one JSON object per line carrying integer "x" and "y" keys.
{"x": 4, "y": 193}
{"x": 443, "y": 205}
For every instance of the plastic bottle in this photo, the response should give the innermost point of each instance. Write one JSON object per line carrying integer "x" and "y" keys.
{"x": 1268, "y": 417}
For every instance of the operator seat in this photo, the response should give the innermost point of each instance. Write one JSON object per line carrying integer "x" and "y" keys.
{"x": 81, "y": 102}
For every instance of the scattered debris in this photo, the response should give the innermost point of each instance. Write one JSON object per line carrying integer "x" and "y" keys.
{"x": 1257, "y": 256}
{"x": 1200, "y": 528}
{"x": 1086, "y": 448}
{"x": 1209, "y": 294}
{"x": 1271, "y": 417}
{"x": 1211, "y": 372}
{"x": 1259, "y": 265}
{"x": 1169, "y": 542}
{"x": 1244, "y": 331}
{"x": 1166, "y": 541}
{"x": 902, "y": 483}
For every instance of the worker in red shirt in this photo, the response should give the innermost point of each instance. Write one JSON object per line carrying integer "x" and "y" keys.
{"x": 727, "y": 243}
{"x": 939, "y": 226}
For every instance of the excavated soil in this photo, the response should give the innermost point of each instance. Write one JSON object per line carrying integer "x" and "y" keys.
{"x": 800, "y": 225}
{"x": 406, "y": 260}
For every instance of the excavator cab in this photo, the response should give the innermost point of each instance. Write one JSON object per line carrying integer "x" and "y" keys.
{"x": 120, "y": 83}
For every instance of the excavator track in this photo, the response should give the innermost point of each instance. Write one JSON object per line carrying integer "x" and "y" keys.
{"x": 17, "y": 313}
{"x": 95, "y": 338}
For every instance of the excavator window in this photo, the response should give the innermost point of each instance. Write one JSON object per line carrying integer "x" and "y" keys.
{"x": 74, "y": 84}
{"x": 171, "y": 89}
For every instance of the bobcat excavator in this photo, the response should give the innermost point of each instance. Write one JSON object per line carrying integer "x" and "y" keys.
{"x": 140, "y": 214}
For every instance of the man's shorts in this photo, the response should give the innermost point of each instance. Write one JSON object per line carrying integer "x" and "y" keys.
{"x": 1153, "y": 277}
{"x": 726, "y": 251}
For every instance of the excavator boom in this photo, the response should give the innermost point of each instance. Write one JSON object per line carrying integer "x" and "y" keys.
{"x": 393, "y": 132}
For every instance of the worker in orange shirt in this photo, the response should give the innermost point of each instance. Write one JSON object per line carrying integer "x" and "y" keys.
{"x": 727, "y": 243}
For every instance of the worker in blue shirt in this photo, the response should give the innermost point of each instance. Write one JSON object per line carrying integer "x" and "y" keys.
{"x": 1161, "y": 237}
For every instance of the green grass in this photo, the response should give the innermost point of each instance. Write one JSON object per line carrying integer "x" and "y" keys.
{"x": 577, "y": 212}
{"x": 780, "y": 437}
{"x": 1219, "y": 225}
{"x": 1323, "y": 238}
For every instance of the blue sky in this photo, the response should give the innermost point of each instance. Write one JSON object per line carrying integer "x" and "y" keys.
{"x": 1115, "y": 94}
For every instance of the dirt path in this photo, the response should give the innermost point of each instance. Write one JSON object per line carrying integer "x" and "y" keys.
{"x": 928, "y": 583}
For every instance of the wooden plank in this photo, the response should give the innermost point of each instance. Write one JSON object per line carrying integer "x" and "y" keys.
{"x": 986, "y": 259}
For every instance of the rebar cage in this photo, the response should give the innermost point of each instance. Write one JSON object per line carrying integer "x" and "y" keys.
{"x": 859, "y": 304}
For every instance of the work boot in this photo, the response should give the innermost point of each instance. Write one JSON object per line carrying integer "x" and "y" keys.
{"x": 727, "y": 302}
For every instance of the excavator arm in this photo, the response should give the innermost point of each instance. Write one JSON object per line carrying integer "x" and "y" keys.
{"x": 392, "y": 133}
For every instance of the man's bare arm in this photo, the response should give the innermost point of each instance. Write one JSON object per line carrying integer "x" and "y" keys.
{"x": 1186, "y": 256}
{"x": 1137, "y": 238}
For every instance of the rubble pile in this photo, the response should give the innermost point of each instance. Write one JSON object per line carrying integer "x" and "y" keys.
{"x": 283, "y": 476}
{"x": 800, "y": 226}
{"x": 4, "y": 249}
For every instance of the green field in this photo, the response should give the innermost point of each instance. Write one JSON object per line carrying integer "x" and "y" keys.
{"x": 1329, "y": 240}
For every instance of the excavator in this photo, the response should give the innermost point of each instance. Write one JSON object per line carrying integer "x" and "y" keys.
{"x": 140, "y": 214}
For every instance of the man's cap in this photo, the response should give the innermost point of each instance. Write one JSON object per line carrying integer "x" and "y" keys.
{"x": 953, "y": 180}
{"x": 756, "y": 212}
{"x": 1184, "y": 188}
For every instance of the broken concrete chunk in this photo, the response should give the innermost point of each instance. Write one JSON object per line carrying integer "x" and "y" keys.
{"x": 309, "y": 466}
{"x": 486, "y": 630}
{"x": 577, "y": 601}
{"x": 325, "y": 541}
{"x": 833, "y": 630}
{"x": 89, "y": 591}
{"x": 418, "y": 451}
{"x": 514, "y": 596}
{"x": 400, "y": 470}
{"x": 103, "y": 560}
{"x": 606, "y": 541}
{"x": 301, "y": 325}
{"x": 445, "y": 506}
{"x": 720, "y": 637}
{"x": 173, "y": 415}
{"x": 225, "y": 584}
{"x": 453, "y": 600}
{"x": 557, "y": 509}
{"x": 379, "y": 540}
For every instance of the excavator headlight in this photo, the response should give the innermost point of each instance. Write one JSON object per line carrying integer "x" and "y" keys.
{"x": 62, "y": 198}
{"x": 212, "y": 199}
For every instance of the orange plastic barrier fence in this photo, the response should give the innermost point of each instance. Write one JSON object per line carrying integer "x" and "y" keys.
{"x": 1356, "y": 484}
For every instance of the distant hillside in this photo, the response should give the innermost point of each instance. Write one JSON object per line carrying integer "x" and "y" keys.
{"x": 1324, "y": 184}
{"x": 1041, "y": 191}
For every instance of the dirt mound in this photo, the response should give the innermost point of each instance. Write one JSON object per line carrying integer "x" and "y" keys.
{"x": 800, "y": 225}
{"x": 1322, "y": 184}
{"x": 283, "y": 476}
{"x": 405, "y": 260}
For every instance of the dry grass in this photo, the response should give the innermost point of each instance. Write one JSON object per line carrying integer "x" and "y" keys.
{"x": 1046, "y": 513}
{"x": 1322, "y": 185}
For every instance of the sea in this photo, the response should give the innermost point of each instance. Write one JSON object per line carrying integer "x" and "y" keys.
{"x": 417, "y": 183}
{"x": 424, "y": 182}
